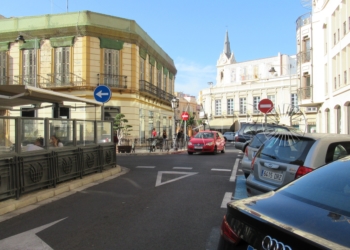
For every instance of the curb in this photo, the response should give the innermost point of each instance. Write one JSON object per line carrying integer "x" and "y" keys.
{"x": 34, "y": 199}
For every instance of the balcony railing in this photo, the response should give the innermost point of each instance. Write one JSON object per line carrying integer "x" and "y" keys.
{"x": 303, "y": 20}
{"x": 114, "y": 81}
{"x": 155, "y": 91}
{"x": 65, "y": 80}
{"x": 305, "y": 93}
{"x": 303, "y": 57}
{"x": 31, "y": 80}
{"x": 4, "y": 80}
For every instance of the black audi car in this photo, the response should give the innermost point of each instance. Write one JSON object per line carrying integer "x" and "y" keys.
{"x": 312, "y": 212}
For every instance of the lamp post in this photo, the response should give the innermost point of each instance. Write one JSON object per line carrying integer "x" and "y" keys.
{"x": 174, "y": 106}
{"x": 20, "y": 39}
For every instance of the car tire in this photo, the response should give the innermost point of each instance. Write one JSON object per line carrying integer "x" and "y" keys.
{"x": 246, "y": 175}
{"x": 190, "y": 153}
{"x": 223, "y": 150}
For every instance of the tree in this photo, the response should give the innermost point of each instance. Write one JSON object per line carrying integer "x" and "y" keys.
{"x": 121, "y": 127}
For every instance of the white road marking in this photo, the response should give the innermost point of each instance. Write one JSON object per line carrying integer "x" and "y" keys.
{"x": 182, "y": 168}
{"x": 227, "y": 198}
{"x": 184, "y": 175}
{"x": 27, "y": 240}
{"x": 145, "y": 167}
{"x": 234, "y": 171}
{"x": 218, "y": 169}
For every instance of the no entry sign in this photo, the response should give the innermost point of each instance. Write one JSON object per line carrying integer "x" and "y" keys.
{"x": 265, "y": 105}
{"x": 184, "y": 116}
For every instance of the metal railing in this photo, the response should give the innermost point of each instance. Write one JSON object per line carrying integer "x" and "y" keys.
{"x": 303, "y": 20}
{"x": 155, "y": 91}
{"x": 303, "y": 57}
{"x": 31, "y": 80}
{"x": 305, "y": 93}
{"x": 114, "y": 81}
{"x": 65, "y": 80}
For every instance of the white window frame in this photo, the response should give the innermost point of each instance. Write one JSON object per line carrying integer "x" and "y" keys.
{"x": 256, "y": 100}
{"x": 230, "y": 106}
{"x": 28, "y": 67}
{"x": 62, "y": 65}
{"x": 111, "y": 66}
{"x": 243, "y": 105}
{"x": 217, "y": 107}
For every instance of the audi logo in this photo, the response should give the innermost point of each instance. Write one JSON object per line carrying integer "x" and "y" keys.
{"x": 269, "y": 243}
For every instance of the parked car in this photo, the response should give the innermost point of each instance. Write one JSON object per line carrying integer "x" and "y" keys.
{"x": 206, "y": 142}
{"x": 229, "y": 136}
{"x": 285, "y": 157}
{"x": 249, "y": 130}
{"x": 312, "y": 212}
{"x": 250, "y": 151}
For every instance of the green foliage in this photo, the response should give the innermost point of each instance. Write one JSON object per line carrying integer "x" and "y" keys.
{"x": 121, "y": 126}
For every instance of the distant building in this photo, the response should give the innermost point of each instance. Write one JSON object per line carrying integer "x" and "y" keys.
{"x": 240, "y": 86}
{"x": 72, "y": 53}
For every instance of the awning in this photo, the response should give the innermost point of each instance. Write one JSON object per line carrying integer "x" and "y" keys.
{"x": 221, "y": 123}
{"x": 18, "y": 95}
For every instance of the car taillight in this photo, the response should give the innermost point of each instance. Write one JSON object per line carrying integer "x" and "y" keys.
{"x": 228, "y": 233}
{"x": 302, "y": 171}
{"x": 236, "y": 138}
{"x": 246, "y": 151}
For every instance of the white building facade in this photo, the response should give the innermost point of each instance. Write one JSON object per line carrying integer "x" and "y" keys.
{"x": 328, "y": 32}
{"x": 239, "y": 88}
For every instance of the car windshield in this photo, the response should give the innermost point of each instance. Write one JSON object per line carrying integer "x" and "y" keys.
{"x": 327, "y": 186}
{"x": 286, "y": 148}
{"x": 258, "y": 140}
{"x": 204, "y": 135}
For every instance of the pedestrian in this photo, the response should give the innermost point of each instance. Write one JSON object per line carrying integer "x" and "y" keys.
{"x": 154, "y": 133}
{"x": 179, "y": 138}
{"x": 164, "y": 140}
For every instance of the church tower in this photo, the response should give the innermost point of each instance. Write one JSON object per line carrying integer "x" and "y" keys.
{"x": 227, "y": 57}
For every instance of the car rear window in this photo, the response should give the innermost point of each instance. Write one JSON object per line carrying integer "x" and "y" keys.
{"x": 286, "y": 148}
{"x": 258, "y": 140}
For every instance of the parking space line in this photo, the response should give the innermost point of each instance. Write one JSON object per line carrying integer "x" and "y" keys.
{"x": 145, "y": 167}
{"x": 227, "y": 198}
{"x": 234, "y": 171}
{"x": 182, "y": 168}
{"x": 218, "y": 169}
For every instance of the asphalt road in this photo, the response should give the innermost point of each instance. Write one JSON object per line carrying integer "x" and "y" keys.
{"x": 162, "y": 202}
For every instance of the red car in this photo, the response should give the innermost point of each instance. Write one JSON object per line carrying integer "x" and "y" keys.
{"x": 206, "y": 142}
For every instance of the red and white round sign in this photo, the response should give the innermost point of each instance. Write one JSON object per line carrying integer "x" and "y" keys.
{"x": 265, "y": 105}
{"x": 184, "y": 116}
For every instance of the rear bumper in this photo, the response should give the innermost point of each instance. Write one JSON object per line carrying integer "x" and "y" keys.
{"x": 255, "y": 187}
{"x": 246, "y": 165}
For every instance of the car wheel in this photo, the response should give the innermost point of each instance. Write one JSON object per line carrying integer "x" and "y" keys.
{"x": 190, "y": 153}
{"x": 246, "y": 175}
{"x": 223, "y": 150}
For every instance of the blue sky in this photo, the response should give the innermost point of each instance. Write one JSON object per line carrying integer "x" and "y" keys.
{"x": 192, "y": 32}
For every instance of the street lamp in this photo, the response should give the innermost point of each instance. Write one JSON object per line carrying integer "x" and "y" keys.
{"x": 20, "y": 39}
{"x": 174, "y": 106}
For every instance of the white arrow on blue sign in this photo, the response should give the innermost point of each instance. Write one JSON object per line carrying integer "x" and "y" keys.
{"x": 102, "y": 93}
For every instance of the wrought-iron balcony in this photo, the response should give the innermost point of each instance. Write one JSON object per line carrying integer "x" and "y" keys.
{"x": 31, "y": 80}
{"x": 65, "y": 80}
{"x": 305, "y": 93}
{"x": 303, "y": 57}
{"x": 114, "y": 81}
{"x": 303, "y": 20}
{"x": 4, "y": 80}
{"x": 154, "y": 91}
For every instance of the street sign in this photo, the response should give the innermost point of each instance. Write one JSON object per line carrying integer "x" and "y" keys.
{"x": 265, "y": 106}
{"x": 184, "y": 116}
{"x": 102, "y": 93}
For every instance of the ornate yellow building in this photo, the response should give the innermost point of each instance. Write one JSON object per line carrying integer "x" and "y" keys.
{"x": 73, "y": 53}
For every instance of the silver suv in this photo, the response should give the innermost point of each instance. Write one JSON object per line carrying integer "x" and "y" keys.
{"x": 286, "y": 156}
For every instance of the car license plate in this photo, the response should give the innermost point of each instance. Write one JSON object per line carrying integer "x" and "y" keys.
{"x": 271, "y": 175}
{"x": 198, "y": 147}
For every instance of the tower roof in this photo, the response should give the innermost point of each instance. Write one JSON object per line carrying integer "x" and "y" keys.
{"x": 227, "y": 49}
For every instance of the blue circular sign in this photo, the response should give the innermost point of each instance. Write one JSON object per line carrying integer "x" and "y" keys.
{"x": 102, "y": 93}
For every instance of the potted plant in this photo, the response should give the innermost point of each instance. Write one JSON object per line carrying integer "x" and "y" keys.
{"x": 122, "y": 130}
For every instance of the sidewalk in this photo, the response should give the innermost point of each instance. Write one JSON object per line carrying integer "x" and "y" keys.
{"x": 12, "y": 207}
